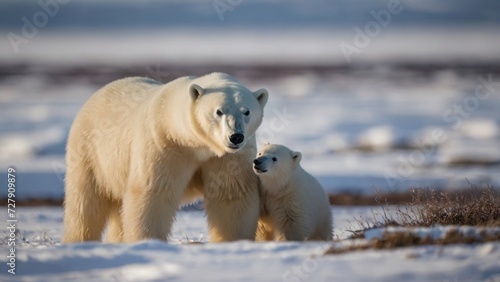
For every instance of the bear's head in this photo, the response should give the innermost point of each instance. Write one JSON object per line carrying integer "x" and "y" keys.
{"x": 277, "y": 163}
{"x": 225, "y": 112}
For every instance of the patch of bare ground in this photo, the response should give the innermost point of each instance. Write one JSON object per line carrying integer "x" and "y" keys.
{"x": 350, "y": 199}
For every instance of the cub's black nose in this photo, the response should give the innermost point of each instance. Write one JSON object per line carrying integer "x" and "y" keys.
{"x": 257, "y": 162}
{"x": 236, "y": 138}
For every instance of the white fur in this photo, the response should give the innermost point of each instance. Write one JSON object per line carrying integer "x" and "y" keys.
{"x": 295, "y": 205}
{"x": 138, "y": 149}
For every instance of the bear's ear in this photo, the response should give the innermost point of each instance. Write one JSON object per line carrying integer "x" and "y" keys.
{"x": 195, "y": 91}
{"x": 262, "y": 95}
{"x": 296, "y": 156}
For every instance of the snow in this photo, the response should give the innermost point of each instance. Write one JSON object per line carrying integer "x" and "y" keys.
{"x": 254, "y": 32}
{"x": 364, "y": 124}
{"x": 318, "y": 47}
{"x": 188, "y": 257}
{"x": 480, "y": 128}
{"x": 352, "y": 139}
{"x": 378, "y": 137}
{"x": 478, "y": 150}
{"x": 26, "y": 145}
{"x": 243, "y": 261}
{"x": 417, "y": 142}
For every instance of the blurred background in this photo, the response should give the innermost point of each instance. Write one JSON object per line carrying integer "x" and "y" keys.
{"x": 377, "y": 94}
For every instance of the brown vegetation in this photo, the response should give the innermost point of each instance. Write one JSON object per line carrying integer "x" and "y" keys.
{"x": 471, "y": 207}
{"x": 476, "y": 207}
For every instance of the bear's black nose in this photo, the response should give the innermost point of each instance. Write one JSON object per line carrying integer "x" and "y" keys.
{"x": 257, "y": 162}
{"x": 236, "y": 138}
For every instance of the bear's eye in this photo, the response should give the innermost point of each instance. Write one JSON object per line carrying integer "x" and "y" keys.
{"x": 275, "y": 159}
{"x": 260, "y": 154}
{"x": 219, "y": 113}
{"x": 247, "y": 113}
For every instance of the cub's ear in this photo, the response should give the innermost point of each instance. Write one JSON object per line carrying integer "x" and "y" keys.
{"x": 262, "y": 95}
{"x": 195, "y": 91}
{"x": 296, "y": 156}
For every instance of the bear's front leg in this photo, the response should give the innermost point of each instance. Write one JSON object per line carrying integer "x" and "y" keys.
{"x": 231, "y": 196}
{"x": 148, "y": 214}
{"x": 149, "y": 206}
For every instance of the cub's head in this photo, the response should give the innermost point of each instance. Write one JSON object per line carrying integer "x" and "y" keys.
{"x": 276, "y": 162}
{"x": 225, "y": 112}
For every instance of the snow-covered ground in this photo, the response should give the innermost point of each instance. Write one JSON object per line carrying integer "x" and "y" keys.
{"x": 321, "y": 46}
{"x": 42, "y": 258}
{"x": 395, "y": 109}
{"x": 358, "y": 130}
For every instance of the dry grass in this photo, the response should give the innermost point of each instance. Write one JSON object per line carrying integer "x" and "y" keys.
{"x": 471, "y": 207}
{"x": 475, "y": 207}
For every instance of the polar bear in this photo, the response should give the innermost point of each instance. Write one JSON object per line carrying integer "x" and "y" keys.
{"x": 295, "y": 206}
{"x": 139, "y": 149}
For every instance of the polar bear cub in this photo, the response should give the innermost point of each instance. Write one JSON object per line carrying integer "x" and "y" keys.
{"x": 294, "y": 205}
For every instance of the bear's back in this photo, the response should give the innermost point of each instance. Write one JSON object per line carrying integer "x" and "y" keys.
{"x": 128, "y": 90}
{"x": 310, "y": 188}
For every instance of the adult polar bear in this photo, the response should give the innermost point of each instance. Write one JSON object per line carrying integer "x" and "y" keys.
{"x": 139, "y": 149}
